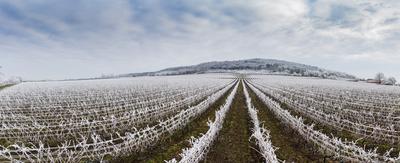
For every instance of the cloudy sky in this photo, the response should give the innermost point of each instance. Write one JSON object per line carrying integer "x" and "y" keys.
{"x": 54, "y": 39}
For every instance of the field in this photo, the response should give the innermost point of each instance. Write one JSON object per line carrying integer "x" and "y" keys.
{"x": 2, "y": 86}
{"x": 200, "y": 118}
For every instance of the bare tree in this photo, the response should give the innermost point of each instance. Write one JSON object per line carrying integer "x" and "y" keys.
{"x": 380, "y": 77}
{"x": 391, "y": 81}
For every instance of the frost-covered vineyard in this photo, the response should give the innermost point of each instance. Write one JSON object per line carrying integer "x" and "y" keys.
{"x": 184, "y": 119}
{"x": 365, "y": 110}
{"x": 361, "y": 108}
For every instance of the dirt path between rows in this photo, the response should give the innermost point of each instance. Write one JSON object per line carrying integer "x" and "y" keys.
{"x": 232, "y": 144}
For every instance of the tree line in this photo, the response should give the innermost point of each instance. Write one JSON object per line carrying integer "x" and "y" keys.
{"x": 9, "y": 80}
{"x": 381, "y": 79}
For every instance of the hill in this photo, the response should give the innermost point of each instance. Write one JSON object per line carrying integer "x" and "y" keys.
{"x": 257, "y": 65}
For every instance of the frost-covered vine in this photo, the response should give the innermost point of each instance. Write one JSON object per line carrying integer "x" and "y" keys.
{"x": 260, "y": 134}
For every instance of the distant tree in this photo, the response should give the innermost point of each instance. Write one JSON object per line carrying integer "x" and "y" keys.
{"x": 380, "y": 77}
{"x": 105, "y": 76}
{"x": 391, "y": 81}
{"x": 14, "y": 80}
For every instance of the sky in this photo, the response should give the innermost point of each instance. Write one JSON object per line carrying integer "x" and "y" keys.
{"x": 59, "y": 39}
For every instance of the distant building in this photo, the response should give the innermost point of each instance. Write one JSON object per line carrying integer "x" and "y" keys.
{"x": 373, "y": 81}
